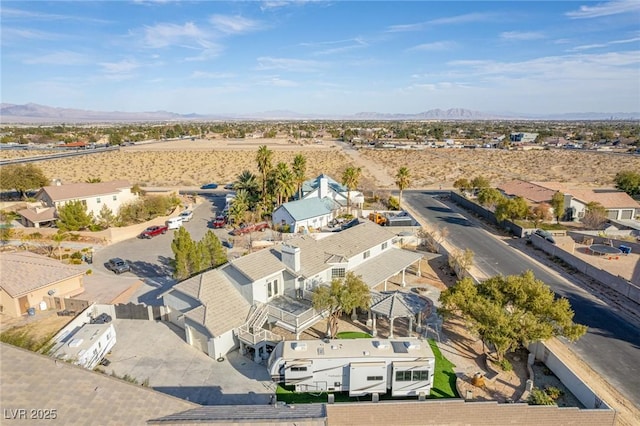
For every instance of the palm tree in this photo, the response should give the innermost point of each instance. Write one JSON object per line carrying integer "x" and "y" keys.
{"x": 350, "y": 179}
{"x": 299, "y": 170}
{"x": 284, "y": 182}
{"x": 248, "y": 182}
{"x": 263, "y": 158}
{"x": 403, "y": 180}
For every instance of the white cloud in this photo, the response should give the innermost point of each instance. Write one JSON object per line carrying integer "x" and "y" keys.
{"x": 210, "y": 75}
{"x": 234, "y": 24}
{"x": 436, "y": 45}
{"x": 605, "y": 9}
{"x": 521, "y": 35}
{"x": 279, "y": 82}
{"x": 338, "y": 46}
{"x": 163, "y": 35}
{"x": 18, "y": 14}
{"x": 63, "y": 57}
{"x": 288, "y": 64}
{"x": 119, "y": 70}
{"x": 608, "y": 43}
{"x": 11, "y": 34}
{"x": 449, "y": 20}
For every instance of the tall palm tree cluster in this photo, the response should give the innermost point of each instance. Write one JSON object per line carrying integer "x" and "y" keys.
{"x": 273, "y": 186}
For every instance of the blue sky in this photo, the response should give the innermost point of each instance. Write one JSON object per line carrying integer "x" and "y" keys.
{"x": 333, "y": 57}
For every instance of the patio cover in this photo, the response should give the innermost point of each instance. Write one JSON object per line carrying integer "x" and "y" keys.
{"x": 395, "y": 304}
{"x": 386, "y": 265}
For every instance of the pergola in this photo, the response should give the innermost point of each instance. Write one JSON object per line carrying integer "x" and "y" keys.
{"x": 398, "y": 304}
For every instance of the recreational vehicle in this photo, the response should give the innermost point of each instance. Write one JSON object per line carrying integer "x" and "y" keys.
{"x": 359, "y": 366}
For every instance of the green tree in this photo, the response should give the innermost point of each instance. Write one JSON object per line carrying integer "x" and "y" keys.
{"x": 437, "y": 133}
{"x": 22, "y": 178}
{"x": 264, "y": 158}
{"x": 93, "y": 180}
{"x": 137, "y": 190}
{"x": 285, "y": 184}
{"x": 115, "y": 138}
{"x": 595, "y": 215}
{"x": 480, "y": 182}
{"x": 350, "y": 179}
{"x": 512, "y": 311}
{"x": 557, "y": 203}
{"x": 540, "y": 213}
{"x": 248, "y": 182}
{"x": 490, "y": 197}
{"x": 58, "y": 238}
{"x": 462, "y": 184}
{"x": 403, "y": 180}
{"x": 106, "y": 218}
{"x": 512, "y": 209}
{"x": 238, "y": 211}
{"x": 184, "y": 251}
{"x": 343, "y": 295}
{"x": 299, "y": 172}
{"x": 213, "y": 246}
{"x": 629, "y": 182}
{"x": 73, "y": 216}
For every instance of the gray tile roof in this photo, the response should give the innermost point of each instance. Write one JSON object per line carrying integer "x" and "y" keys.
{"x": 74, "y": 191}
{"x": 80, "y": 396}
{"x": 38, "y": 215}
{"x": 223, "y": 307}
{"x": 308, "y": 414}
{"x": 306, "y": 208}
{"x": 394, "y": 304}
{"x": 259, "y": 264}
{"x": 385, "y": 265}
{"x": 41, "y": 271}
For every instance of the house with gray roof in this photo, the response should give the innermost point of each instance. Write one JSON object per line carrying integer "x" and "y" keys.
{"x": 306, "y": 214}
{"x": 229, "y": 306}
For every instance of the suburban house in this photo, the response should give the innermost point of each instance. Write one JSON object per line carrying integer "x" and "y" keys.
{"x": 523, "y": 137}
{"x": 94, "y": 196}
{"x": 306, "y": 214}
{"x": 46, "y": 277}
{"x": 323, "y": 186}
{"x": 230, "y": 305}
{"x": 87, "y": 345}
{"x": 618, "y": 204}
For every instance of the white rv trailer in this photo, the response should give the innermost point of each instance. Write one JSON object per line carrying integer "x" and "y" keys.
{"x": 360, "y": 366}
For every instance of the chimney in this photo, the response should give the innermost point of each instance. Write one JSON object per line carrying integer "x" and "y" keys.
{"x": 56, "y": 182}
{"x": 291, "y": 257}
{"x": 324, "y": 187}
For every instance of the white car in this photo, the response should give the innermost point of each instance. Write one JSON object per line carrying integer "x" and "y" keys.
{"x": 186, "y": 215}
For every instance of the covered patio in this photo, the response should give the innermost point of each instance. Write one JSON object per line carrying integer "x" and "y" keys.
{"x": 387, "y": 265}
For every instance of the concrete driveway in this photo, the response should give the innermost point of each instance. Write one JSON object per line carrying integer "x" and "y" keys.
{"x": 157, "y": 351}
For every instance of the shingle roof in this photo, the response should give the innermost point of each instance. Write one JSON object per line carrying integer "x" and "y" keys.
{"x": 36, "y": 215}
{"x": 80, "y": 396}
{"x": 306, "y": 208}
{"x": 223, "y": 307}
{"x": 40, "y": 270}
{"x": 609, "y": 198}
{"x": 311, "y": 184}
{"x": 74, "y": 191}
{"x": 259, "y": 264}
{"x": 394, "y": 304}
{"x": 527, "y": 190}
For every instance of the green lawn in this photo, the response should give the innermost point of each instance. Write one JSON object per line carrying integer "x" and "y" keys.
{"x": 353, "y": 335}
{"x": 444, "y": 382}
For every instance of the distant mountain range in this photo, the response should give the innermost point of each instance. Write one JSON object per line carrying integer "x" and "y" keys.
{"x": 34, "y": 113}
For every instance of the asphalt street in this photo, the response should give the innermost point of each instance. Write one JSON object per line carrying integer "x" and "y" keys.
{"x": 612, "y": 343}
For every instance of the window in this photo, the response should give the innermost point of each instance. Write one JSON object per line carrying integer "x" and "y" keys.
{"x": 272, "y": 288}
{"x": 366, "y": 254}
{"x": 115, "y": 198}
{"x": 384, "y": 245}
{"x": 420, "y": 375}
{"x": 338, "y": 273}
{"x": 298, "y": 368}
{"x": 98, "y": 200}
{"x": 374, "y": 378}
{"x": 403, "y": 376}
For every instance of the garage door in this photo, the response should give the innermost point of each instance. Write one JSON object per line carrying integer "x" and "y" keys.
{"x": 198, "y": 340}
{"x": 626, "y": 214}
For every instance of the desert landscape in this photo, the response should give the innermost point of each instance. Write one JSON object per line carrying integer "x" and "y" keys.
{"x": 190, "y": 163}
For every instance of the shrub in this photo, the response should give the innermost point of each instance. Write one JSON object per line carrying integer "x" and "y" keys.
{"x": 539, "y": 397}
{"x": 76, "y": 261}
{"x": 505, "y": 365}
{"x": 553, "y": 392}
{"x": 393, "y": 203}
{"x": 89, "y": 271}
{"x": 76, "y": 255}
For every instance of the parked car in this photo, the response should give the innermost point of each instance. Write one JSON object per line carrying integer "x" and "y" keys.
{"x": 117, "y": 265}
{"x": 209, "y": 186}
{"x": 186, "y": 215}
{"x": 229, "y": 185}
{"x": 153, "y": 231}
{"x": 101, "y": 319}
{"x": 545, "y": 234}
{"x": 247, "y": 228}
{"x": 174, "y": 222}
{"x": 219, "y": 222}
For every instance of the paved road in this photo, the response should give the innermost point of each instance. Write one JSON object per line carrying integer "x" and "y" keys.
{"x": 612, "y": 344}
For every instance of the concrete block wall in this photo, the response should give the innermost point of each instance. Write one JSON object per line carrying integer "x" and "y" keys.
{"x": 568, "y": 378}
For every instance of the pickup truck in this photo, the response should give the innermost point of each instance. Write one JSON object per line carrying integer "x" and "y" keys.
{"x": 219, "y": 222}
{"x": 245, "y": 229}
{"x": 152, "y": 231}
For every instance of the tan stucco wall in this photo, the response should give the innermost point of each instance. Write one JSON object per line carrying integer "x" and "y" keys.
{"x": 67, "y": 288}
